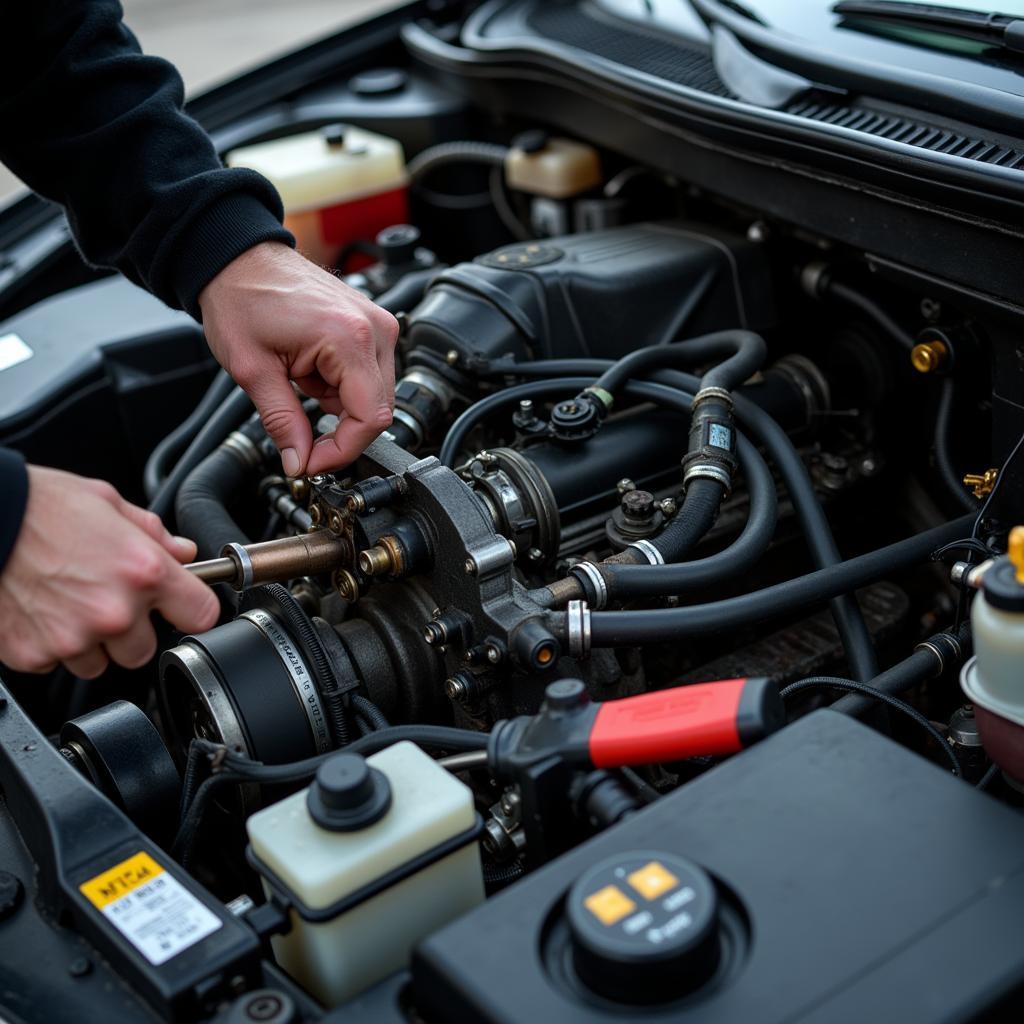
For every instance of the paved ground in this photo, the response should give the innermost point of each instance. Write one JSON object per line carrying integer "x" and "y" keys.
{"x": 211, "y": 40}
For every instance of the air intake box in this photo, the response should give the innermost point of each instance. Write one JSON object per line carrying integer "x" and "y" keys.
{"x": 600, "y": 294}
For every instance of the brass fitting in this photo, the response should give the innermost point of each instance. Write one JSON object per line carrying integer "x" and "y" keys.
{"x": 274, "y": 561}
{"x": 929, "y": 356}
{"x": 385, "y": 558}
{"x": 981, "y": 483}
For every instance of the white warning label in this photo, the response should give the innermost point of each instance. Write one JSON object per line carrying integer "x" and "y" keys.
{"x": 150, "y": 908}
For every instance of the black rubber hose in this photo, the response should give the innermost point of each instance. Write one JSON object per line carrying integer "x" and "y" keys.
{"x": 632, "y": 582}
{"x": 158, "y": 464}
{"x": 433, "y": 737}
{"x": 860, "y": 652}
{"x": 369, "y": 712}
{"x": 408, "y": 291}
{"x": 233, "y": 410}
{"x": 741, "y": 354}
{"x": 667, "y": 625}
{"x": 695, "y": 517}
{"x": 943, "y": 433}
{"x": 201, "y": 505}
{"x": 927, "y": 662}
{"x": 498, "y": 876}
{"x": 868, "y": 308}
{"x": 872, "y": 693}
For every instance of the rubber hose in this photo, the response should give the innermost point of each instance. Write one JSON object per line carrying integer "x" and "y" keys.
{"x": 369, "y": 712}
{"x": 860, "y": 652}
{"x": 632, "y": 582}
{"x": 922, "y": 665}
{"x": 744, "y": 354}
{"x": 231, "y": 413}
{"x": 663, "y": 625}
{"x": 175, "y": 442}
{"x": 446, "y": 153}
{"x": 407, "y": 292}
{"x": 201, "y": 505}
{"x": 943, "y": 460}
{"x": 500, "y": 875}
{"x": 695, "y": 517}
{"x": 870, "y": 310}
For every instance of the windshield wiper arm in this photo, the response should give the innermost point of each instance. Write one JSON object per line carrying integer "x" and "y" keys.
{"x": 995, "y": 29}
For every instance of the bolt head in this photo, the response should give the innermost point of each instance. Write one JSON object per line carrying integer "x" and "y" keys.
{"x": 451, "y": 356}
{"x": 455, "y": 688}
{"x": 470, "y": 567}
{"x": 535, "y": 555}
{"x": 624, "y": 485}
{"x": 493, "y": 654}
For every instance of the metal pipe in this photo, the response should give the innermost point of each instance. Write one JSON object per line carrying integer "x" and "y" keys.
{"x": 274, "y": 561}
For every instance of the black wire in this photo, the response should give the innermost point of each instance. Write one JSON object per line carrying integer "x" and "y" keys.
{"x": 837, "y": 683}
{"x": 986, "y": 780}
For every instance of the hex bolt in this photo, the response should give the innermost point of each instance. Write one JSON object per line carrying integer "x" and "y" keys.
{"x": 668, "y": 507}
{"x": 492, "y": 653}
{"x": 624, "y": 485}
{"x": 470, "y": 566}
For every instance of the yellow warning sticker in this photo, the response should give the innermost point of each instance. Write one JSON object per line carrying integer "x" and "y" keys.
{"x": 150, "y": 908}
{"x": 120, "y": 880}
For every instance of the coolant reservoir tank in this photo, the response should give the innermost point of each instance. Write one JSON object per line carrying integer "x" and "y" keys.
{"x": 374, "y": 856}
{"x": 338, "y": 185}
{"x": 993, "y": 679}
{"x": 552, "y": 167}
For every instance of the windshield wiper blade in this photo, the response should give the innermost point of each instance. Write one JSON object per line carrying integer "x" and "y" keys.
{"x": 995, "y": 29}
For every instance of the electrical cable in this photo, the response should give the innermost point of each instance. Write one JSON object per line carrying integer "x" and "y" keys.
{"x": 837, "y": 683}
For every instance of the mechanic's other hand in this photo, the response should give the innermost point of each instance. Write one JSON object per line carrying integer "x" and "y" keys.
{"x": 85, "y": 572}
{"x": 272, "y": 317}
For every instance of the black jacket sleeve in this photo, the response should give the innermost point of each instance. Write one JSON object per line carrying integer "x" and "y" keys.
{"x": 13, "y": 495}
{"x": 88, "y": 121}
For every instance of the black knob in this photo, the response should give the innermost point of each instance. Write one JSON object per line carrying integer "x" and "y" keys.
{"x": 644, "y": 927}
{"x": 565, "y": 694}
{"x": 531, "y": 141}
{"x": 397, "y": 244}
{"x": 347, "y": 794}
{"x": 334, "y": 134}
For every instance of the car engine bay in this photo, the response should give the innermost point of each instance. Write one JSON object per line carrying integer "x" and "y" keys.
{"x": 649, "y": 666}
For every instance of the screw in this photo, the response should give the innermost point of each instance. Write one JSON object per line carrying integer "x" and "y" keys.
{"x": 80, "y": 967}
{"x": 509, "y": 802}
{"x": 535, "y": 555}
{"x": 526, "y": 407}
{"x": 758, "y": 232}
{"x": 456, "y": 688}
{"x": 451, "y": 356}
{"x": 470, "y": 567}
{"x": 30, "y": 746}
{"x": 930, "y": 309}
{"x": 493, "y": 654}
{"x": 624, "y": 485}
{"x": 314, "y": 515}
{"x": 434, "y": 633}
{"x": 263, "y": 1006}
{"x": 668, "y": 507}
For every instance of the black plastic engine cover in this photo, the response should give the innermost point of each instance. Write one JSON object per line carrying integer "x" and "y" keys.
{"x": 599, "y": 294}
{"x": 855, "y": 881}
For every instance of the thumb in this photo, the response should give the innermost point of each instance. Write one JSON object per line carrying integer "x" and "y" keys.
{"x": 282, "y": 415}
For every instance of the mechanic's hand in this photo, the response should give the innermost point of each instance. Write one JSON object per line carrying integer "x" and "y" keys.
{"x": 85, "y": 572}
{"x": 272, "y": 317}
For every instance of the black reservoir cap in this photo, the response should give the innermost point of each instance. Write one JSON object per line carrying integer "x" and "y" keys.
{"x": 347, "y": 794}
{"x": 644, "y": 927}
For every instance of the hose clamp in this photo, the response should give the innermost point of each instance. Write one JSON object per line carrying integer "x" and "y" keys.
{"x": 651, "y": 554}
{"x": 242, "y": 446}
{"x": 706, "y": 394}
{"x": 946, "y": 648}
{"x": 409, "y": 421}
{"x": 604, "y": 397}
{"x": 429, "y": 381}
{"x": 596, "y": 579}
{"x": 241, "y": 558}
{"x": 708, "y": 471}
{"x": 577, "y": 614}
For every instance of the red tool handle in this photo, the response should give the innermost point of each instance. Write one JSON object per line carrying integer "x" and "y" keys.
{"x": 686, "y": 721}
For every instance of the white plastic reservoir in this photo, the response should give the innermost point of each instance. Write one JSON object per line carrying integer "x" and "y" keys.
{"x": 340, "y": 957}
